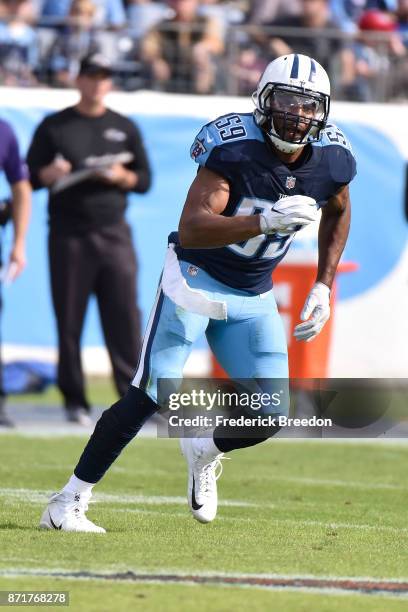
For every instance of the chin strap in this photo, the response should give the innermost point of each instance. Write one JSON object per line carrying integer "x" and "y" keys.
{"x": 285, "y": 147}
{"x": 281, "y": 145}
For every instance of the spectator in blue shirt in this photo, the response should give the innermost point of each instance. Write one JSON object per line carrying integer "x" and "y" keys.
{"x": 108, "y": 13}
{"x": 18, "y": 48}
{"x": 76, "y": 39}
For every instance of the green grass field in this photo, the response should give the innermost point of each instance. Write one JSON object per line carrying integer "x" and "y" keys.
{"x": 293, "y": 508}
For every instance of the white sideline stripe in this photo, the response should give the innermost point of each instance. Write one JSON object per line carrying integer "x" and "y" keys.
{"x": 113, "y": 469}
{"x": 139, "y": 373}
{"x": 333, "y": 525}
{"x": 299, "y": 522}
{"x": 41, "y": 496}
{"x": 337, "y": 483}
{"x": 269, "y": 477}
{"x": 160, "y": 577}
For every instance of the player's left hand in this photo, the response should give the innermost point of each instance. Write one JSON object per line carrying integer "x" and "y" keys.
{"x": 315, "y": 313}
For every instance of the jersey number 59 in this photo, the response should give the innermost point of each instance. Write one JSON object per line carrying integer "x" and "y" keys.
{"x": 261, "y": 246}
{"x": 230, "y": 127}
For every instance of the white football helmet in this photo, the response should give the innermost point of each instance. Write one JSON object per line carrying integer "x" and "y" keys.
{"x": 292, "y": 101}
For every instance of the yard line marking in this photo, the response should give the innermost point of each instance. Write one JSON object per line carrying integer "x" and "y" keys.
{"x": 308, "y": 584}
{"x": 336, "y": 482}
{"x": 298, "y": 522}
{"x": 41, "y": 496}
{"x": 116, "y": 469}
{"x": 334, "y": 525}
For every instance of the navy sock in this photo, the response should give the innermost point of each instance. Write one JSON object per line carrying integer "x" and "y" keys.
{"x": 115, "y": 429}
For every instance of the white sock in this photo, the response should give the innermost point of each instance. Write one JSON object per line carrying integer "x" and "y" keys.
{"x": 75, "y": 485}
{"x": 208, "y": 448}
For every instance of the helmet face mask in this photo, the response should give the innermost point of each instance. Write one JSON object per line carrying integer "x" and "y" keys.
{"x": 293, "y": 109}
{"x": 294, "y": 115}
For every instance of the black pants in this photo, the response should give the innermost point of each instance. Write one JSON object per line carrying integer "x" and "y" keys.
{"x": 103, "y": 263}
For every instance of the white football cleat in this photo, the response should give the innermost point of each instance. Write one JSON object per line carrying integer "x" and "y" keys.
{"x": 202, "y": 479}
{"x": 66, "y": 512}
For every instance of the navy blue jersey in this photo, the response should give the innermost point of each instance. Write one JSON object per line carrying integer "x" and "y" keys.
{"x": 235, "y": 147}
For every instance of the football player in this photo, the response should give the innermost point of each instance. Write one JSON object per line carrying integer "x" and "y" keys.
{"x": 262, "y": 177}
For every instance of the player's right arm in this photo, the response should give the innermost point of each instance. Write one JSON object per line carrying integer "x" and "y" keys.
{"x": 203, "y": 227}
{"x": 201, "y": 223}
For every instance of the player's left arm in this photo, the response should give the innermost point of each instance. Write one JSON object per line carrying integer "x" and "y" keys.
{"x": 333, "y": 232}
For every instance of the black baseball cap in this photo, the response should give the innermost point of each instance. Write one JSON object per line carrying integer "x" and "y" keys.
{"x": 95, "y": 63}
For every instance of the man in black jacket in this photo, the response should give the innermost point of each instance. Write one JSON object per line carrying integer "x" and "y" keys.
{"x": 89, "y": 158}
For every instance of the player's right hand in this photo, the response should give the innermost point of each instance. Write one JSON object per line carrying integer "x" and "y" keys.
{"x": 288, "y": 215}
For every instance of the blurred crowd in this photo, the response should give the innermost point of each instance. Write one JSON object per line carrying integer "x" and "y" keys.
{"x": 207, "y": 46}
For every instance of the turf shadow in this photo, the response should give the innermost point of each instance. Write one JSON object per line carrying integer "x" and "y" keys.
{"x": 15, "y": 527}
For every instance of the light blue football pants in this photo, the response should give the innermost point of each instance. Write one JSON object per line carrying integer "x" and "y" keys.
{"x": 250, "y": 344}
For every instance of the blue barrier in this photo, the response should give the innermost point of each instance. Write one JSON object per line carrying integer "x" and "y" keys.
{"x": 377, "y": 237}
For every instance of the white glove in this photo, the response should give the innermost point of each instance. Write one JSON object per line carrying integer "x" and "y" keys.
{"x": 288, "y": 214}
{"x": 317, "y": 307}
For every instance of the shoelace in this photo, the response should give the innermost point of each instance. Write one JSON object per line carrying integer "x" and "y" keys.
{"x": 79, "y": 506}
{"x": 209, "y": 472}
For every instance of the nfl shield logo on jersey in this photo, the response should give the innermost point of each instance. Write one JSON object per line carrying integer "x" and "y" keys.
{"x": 290, "y": 182}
